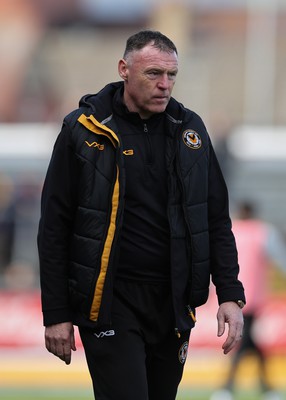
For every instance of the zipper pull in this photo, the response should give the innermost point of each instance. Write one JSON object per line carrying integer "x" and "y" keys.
{"x": 191, "y": 313}
{"x": 177, "y": 333}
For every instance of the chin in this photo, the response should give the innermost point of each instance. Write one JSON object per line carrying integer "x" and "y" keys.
{"x": 158, "y": 109}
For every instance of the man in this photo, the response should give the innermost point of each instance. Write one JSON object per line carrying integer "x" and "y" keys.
{"x": 134, "y": 220}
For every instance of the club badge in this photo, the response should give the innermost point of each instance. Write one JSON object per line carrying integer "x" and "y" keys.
{"x": 183, "y": 352}
{"x": 192, "y": 139}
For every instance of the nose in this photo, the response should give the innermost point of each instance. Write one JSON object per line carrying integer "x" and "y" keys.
{"x": 164, "y": 82}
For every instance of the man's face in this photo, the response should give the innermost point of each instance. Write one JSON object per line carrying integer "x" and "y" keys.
{"x": 149, "y": 76}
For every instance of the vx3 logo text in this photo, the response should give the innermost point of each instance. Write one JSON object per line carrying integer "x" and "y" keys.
{"x": 103, "y": 334}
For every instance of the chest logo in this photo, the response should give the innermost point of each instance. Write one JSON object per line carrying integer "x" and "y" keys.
{"x": 95, "y": 145}
{"x": 129, "y": 152}
{"x": 192, "y": 139}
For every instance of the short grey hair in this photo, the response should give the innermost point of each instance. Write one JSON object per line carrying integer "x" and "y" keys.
{"x": 142, "y": 38}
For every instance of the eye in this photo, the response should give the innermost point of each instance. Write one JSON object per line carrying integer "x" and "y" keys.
{"x": 172, "y": 75}
{"x": 153, "y": 74}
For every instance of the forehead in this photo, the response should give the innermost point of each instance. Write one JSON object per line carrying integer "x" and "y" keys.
{"x": 150, "y": 57}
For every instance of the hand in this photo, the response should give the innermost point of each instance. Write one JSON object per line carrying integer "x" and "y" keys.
{"x": 231, "y": 314}
{"x": 60, "y": 340}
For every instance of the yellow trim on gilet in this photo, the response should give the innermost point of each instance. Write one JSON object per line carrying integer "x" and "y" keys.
{"x": 105, "y": 254}
{"x": 94, "y": 126}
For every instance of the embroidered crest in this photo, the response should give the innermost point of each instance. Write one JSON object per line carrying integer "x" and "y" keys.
{"x": 192, "y": 139}
{"x": 183, "y": 352}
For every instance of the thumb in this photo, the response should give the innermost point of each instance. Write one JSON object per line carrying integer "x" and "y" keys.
{"x": 220, "y": 325}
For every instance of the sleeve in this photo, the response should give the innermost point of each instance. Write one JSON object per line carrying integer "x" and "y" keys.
{"x": 223, "y": 251}
{"x": 58, "y": 204}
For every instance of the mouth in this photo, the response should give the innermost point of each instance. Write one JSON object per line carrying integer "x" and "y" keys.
{"x": 161, "y": 99}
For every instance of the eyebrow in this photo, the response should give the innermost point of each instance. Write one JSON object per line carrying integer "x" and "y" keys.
{"x": 172, "y": 70}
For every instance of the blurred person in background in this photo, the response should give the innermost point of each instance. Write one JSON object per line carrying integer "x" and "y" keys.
{"x": 134, "y": 222}
{"x": 259, "y": 245}
{"x": 221, "y": 128}
{"x": 22, "y": 270}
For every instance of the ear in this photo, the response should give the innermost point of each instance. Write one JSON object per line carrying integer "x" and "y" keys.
{"x": 123, "y": 69}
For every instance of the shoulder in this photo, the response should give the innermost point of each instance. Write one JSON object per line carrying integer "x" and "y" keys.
{"x": 187, "y": 116}
{"x": 99, "y": 104}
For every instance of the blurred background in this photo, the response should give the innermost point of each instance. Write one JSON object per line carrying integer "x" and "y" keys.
{"x": 232, "y": 63}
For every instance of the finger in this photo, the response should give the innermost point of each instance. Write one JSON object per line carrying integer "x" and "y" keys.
{"x": 234, "y": 336}
{"x": 68, "y": 346}
{"x": 67, "y": 353}
{"x": 228, "y": 345}
{"x": 73, "y": 346}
